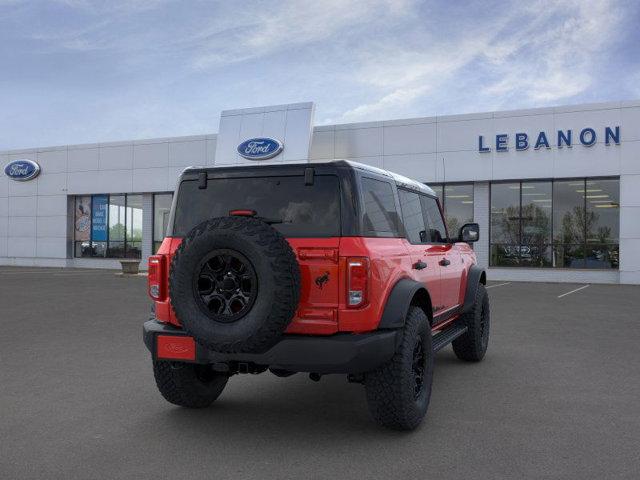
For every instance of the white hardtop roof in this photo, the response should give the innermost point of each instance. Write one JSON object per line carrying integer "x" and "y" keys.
{"x": 399, "y": 179}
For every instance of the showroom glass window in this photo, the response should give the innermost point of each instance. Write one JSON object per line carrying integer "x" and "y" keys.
{"x": 586, "y": 223}
{"x": 133, "y": 228}
{"x": 161, "y": 211}
{"x": 117, "y": 219}
{"x": 505, "y": 224}
{"x": 562, "y": 224}
{"x": 457, "y": 203}
{"x": 108, "y": 226}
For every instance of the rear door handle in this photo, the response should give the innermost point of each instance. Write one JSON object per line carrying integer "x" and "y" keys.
{"x": 444, "y": 262}
{"x": 419, "y": 265}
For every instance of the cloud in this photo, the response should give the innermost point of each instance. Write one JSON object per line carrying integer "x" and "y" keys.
{"x": 541, "y": 53}
{"x": 255, "y": 33}
{"x": 398, "y": 98}
{"x": 120, "y": 6}
{"x": 555, "y": 63}
{"x": 210, "y": 35}
{"x": 124, "y": 69}
{"x": 406, "y": 76}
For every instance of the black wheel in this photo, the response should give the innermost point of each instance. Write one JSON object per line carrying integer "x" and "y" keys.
{"x": 472, "y": 345}
{"x": 188, "y": 385}
{"x": 234, "y": 284}
{"x": 398, "y": 392}
{"x": 225, "y": 285}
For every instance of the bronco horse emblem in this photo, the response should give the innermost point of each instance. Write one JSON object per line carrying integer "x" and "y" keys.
{"x": 321, "y": 280}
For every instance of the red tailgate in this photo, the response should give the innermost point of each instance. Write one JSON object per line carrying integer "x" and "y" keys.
{"x": 320, "y": 285}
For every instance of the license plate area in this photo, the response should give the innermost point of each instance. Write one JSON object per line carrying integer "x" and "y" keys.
{"x": 175, "y": 347}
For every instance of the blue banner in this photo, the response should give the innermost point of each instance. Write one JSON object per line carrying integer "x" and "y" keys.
{"x": 99, "y": 207}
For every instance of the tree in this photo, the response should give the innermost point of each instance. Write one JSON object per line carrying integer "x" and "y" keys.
{"x": 116, "y": 232}
{"x": 525, "y": 232}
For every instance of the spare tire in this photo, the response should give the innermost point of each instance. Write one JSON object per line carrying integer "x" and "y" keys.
{"x": 234, "y": 284}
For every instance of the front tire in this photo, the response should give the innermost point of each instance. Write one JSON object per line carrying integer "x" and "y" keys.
{"x": 472, "y": 345}
{"x": 188, "y": 385}
{"x": 399, "y": 391}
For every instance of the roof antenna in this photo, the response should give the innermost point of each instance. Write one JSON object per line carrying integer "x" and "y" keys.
{"x": 444, "y": 172}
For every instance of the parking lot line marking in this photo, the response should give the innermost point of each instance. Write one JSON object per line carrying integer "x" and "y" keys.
{"x": 79, "y": 273}
{"x": 498, "y": 285}
{"x": 55, "y": 274}
{"x": 21, "y": 273}
{"x": 45, "y": 270}
{"x": 573, "y": 291}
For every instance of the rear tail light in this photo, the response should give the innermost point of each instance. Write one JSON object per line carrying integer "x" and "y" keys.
{"x": 357, "y": 282}
{"x": 156, "y": 278}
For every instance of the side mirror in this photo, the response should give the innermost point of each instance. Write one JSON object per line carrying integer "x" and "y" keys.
{"x": 469, "y": 233}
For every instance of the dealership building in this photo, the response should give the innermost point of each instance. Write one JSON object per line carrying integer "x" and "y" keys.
{"x": 556, "y": 190}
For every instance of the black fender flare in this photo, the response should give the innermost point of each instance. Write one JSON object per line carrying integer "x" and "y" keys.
{"x": 399, "y": 300}
{"x": 476, "y": 276}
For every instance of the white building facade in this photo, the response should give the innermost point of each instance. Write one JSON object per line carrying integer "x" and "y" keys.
{"x": 556, "y": 191}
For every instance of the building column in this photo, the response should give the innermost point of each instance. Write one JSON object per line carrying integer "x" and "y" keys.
{"x": 481, "y": 215}
{"x": 147, "y": 229}
{"x": 629, "y": 229}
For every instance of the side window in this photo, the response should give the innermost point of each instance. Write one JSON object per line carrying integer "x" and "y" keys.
{"x": 436, "y": 232}
{"x": 380, "y": 215}
{"x": 412, "y": 216}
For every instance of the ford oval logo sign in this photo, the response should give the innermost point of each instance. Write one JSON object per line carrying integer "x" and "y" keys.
{"x": 22, "y": 170}
{"x": 260, "y": 148}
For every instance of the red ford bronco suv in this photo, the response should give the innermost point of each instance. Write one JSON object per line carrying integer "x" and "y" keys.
{"x": 322, "y": 268}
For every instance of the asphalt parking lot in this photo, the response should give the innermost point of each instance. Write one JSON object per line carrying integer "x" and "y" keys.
{"x": 558, "y": 396}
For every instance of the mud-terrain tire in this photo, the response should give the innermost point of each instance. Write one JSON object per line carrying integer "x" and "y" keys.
{"x": 251, "y": 280}
{"x": 187, "y": 384}
{"x": 395, "y": 399}
{"x": 472, "y": 345}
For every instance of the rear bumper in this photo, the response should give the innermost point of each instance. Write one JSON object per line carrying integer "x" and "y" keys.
{"x": 339, "y": 353}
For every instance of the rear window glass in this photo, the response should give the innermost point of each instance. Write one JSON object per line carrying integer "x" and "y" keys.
{"x": 303, "y": 210}
{"x": 380, "y": 214}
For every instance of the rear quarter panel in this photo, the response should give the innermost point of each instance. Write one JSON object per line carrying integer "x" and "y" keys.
{"x": 389, "y": 261}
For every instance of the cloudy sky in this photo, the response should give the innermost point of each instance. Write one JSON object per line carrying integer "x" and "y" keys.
{"x": 80, "y": 71}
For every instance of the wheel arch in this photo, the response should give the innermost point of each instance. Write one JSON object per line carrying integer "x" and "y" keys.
{"x": 477, "y": 275}
{"x": 405, "y": 293}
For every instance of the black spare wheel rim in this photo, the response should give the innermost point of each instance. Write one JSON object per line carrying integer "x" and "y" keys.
{"x": 225, "y": 285}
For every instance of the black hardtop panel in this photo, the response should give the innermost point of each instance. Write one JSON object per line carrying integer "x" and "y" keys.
{"x": 322, "y": 168}
{"x": 340, "y": 169}
{"x": 285, "y": 169}
{"x": 348, "y": 173}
